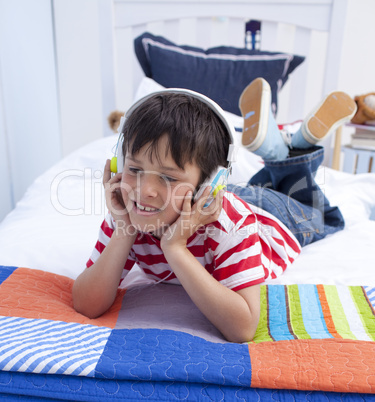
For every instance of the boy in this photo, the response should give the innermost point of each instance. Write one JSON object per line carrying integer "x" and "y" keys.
{"x": 219, "y": 253}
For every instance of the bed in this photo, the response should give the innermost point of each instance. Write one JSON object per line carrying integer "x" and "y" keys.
{"x": 316, "y": 337}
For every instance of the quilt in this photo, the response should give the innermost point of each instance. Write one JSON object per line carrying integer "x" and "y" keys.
{"x": 314, "y": 342}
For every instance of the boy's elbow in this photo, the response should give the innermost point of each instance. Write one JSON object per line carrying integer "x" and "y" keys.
{"x": 83, "y": 304}
{"x": 241, "y": 336}
{"x": 87, "y": 311}
{"x": 243, "y": 331}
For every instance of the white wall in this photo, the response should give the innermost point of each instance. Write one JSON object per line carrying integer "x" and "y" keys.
{"x": 5, "y": 178}
{"x": 50, "y": 87}
{"x": 29, "y": 119}
{"x": 357, "y": 72}
{"x": 79, "y": 71}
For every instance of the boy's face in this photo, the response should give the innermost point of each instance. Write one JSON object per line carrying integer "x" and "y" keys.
{"x": 153, "y": 190}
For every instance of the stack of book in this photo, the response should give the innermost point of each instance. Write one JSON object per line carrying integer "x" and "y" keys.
{"x": 364, "y": 136}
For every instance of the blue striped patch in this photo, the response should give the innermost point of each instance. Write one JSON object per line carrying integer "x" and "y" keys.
{"x": 312, "y": 313}
{"x": 370, "y": 291}
{"x": 278, "y": 326}
{"x": 54, "y": 347}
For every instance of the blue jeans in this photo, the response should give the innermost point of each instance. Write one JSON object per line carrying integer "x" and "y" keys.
{"x": 287, "y": 189}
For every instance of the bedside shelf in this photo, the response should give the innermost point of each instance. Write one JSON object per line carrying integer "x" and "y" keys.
{"x": 359, "y": 156}
{"x": 358, "y": 160}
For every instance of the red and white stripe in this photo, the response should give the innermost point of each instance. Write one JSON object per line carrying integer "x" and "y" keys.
{"x": 243, "y": 248}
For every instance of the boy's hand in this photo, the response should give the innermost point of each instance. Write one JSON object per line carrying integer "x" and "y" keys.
{"x": 113, "y": 197}
{"x": 192, "y": 218}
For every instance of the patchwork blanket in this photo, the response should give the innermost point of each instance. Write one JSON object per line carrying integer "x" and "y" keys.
{"x": 154, "y": 344}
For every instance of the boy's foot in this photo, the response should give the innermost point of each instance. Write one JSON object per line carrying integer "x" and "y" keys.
{"x": 260, "y": 132}
{"x": 254, "y": 104}
{"x": 336, "y": 109}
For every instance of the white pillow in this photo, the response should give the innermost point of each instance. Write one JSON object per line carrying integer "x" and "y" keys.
{"x": 146, "y": 87}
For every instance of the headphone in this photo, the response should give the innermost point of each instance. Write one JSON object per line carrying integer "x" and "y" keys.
{"x": 218, "y": 180}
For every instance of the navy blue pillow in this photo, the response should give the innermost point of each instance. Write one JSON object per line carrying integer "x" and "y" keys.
{"x": 220, "y": 73}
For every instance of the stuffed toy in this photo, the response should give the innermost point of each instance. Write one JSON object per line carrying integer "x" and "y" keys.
{"x": 114, "y": 120}
{"x": 365, "y": 109}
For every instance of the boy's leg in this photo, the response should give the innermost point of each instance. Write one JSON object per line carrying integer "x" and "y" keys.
{"x": 261, "y": 134}
{"x": 336, "y": 109}
{"x": 287, "y": 189}
{"x": 286, "y": 186}
{"x": 306, "y": 223}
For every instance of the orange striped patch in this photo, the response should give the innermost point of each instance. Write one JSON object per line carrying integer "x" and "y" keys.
{"x": 313, "y": 364}
{"x": 30, "y": 293}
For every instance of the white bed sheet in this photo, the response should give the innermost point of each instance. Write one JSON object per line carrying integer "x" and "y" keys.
{"x": 55, "y": 225}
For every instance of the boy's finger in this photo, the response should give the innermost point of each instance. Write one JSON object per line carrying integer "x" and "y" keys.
{"x": 219, "y": 198}
{"x": 203, "y": 198}
{"x": 216, "y": 204}
{"x": 116, "y": 179}
{"x": 186, "y": 206}
{"x": 107, "y": 171}
{"x": 107, "y": 175}
{"x": 207, "y": 210}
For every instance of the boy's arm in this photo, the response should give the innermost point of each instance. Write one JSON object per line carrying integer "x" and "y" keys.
{"x": 95, "y": 289}
{"x": 234, "y": 314}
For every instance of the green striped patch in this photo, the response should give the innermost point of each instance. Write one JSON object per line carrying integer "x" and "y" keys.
{"x": 315, "y": 312}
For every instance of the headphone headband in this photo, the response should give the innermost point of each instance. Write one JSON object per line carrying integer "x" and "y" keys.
{"x": 209, "y": 102}
{"x": 203, "y": 98}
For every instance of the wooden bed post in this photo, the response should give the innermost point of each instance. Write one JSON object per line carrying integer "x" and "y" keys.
{"x": 337, "y": 150}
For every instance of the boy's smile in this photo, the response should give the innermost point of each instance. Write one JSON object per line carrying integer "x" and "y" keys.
{"x": 153, "y": 188}
{"x": 145, "y": 210}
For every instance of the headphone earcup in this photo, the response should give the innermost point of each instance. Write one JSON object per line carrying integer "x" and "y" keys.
{"x": 114, "y": 164}
{"x": 117, "y": 161}
{"x": 218, "y": 181}
{"x": 217, "y": 189}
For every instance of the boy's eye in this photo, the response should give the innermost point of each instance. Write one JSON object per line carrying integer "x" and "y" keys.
{"x": 163, "y": 177}
{"x": 134, "y": 170}
{"x": 167, "y": 178}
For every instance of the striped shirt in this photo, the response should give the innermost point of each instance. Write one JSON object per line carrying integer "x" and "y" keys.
{"x": 245, "y": 246}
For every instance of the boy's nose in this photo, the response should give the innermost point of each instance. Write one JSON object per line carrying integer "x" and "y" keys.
{"x": 147, "y": 186}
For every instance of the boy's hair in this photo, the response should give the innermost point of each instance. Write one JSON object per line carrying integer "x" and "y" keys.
{"x": 195, "y": 133}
